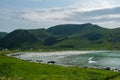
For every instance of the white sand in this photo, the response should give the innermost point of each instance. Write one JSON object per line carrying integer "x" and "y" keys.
{"x": 43, "y": 54}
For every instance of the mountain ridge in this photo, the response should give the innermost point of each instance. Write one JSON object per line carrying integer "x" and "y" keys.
{"x": 65, "y": 36}
{"x": 3, "y": 34}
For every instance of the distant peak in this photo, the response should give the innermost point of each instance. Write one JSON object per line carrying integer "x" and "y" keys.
{"x": 88, "y": 24}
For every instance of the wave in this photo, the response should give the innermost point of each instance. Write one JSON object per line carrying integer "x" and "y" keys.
{"x": 90, "y": 60}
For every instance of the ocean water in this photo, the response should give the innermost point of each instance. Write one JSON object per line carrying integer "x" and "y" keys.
{"x": 76, "y": 58}
{"x": 96, "y": 59}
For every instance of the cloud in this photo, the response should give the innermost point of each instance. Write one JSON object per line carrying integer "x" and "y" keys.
{"x": 73, "y": 14}
{"x": 104, "y": 13}
{"x": 96, "y": 4}
{"x": 96, "y": 15}
{"x": 40, "y": 0}
{"x": 57, "y": 14}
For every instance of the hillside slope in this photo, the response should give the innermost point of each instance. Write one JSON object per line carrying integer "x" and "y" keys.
{"x": 16, "y": 69}
{"x": 2, "y": 34}
{"x": 68, "y": 36}
{"x": 24, "y": 39}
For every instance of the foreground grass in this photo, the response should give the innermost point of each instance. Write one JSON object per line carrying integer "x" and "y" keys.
{"x": 15, "y": 69}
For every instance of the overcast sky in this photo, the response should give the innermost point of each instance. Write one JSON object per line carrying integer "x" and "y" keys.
{"x": 32, "y": 14}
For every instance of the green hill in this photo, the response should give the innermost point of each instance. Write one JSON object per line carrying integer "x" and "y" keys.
{"x": 69, "y": 29}
{"x": 68, "y": 36}
{"x": 24, "y": 39}
{"x": 86, "y": 36}
{"x": 2, "y": 34}
{"x": 16, "y": 69}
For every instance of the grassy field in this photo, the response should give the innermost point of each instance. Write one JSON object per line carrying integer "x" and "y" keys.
{"x": 15, "y": 69}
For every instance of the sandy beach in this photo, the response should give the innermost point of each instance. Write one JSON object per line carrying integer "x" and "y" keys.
{"x": 59, "y": 53}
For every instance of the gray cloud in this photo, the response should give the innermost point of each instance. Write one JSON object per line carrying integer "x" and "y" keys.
{"x": 39, "y": 18}
{"x": 102, "y": 15}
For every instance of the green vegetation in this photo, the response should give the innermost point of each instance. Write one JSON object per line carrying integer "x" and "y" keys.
{"x": 24, "y": 39}
{"x": 60, "y": 37}
{"x": 2, "y": 34}
{"x": 69, "y": 36}
{"x": 15, "y": 69}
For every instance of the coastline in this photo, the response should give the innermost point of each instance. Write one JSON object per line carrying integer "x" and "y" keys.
{"x": 61, "y": 54}
{"x": 58, "y": 53}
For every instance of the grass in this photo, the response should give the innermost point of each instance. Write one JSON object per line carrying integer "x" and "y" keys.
{"x": 16, "y": 69}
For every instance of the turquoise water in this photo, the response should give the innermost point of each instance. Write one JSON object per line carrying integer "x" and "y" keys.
{"x": 97, "y": 59}
{"x": 92, "y": 59}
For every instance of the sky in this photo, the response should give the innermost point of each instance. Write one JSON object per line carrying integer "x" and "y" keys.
{"x": 34, "y": 14}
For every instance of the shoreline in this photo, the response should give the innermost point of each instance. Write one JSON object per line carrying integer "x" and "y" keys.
{"x": 62, "y": 54}
{"x": 57, "y": 53}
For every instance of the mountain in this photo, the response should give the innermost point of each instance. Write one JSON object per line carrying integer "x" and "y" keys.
{"x": 2, "y": 34}
{"x": 76, "y": 36}
{"x": 24, "y": 39}
{"x": 68, "y": 36}
{"x": 69, "y": 29}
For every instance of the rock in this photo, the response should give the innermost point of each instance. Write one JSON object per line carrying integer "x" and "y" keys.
{"x": 107, "y": 68}
{"x": 51, "y": 62}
